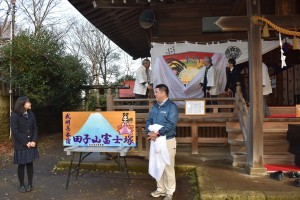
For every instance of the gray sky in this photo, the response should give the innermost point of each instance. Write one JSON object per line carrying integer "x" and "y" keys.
{"x": 61, "y": 16}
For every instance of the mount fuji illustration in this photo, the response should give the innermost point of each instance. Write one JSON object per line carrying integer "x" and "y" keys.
{"x": 96, "y": 131}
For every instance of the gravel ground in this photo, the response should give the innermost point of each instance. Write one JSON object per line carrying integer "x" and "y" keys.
{"x": 50, "y": 183}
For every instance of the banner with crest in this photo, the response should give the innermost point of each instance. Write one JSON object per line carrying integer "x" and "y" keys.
{"x": 180, "y": 65}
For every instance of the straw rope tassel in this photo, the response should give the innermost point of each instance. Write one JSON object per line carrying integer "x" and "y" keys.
{"x": 266, "y": 32}
{"x": 256, "y": 19}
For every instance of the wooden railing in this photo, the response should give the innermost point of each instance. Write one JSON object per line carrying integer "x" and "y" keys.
{"x": 193, "y": 130}
{"x": 218, "y": 110}
{"x": 243, "y": 115}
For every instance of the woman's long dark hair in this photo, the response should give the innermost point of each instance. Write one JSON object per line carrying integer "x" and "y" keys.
{"x": 232, "y": 61}
{"x": 19, "y": 106}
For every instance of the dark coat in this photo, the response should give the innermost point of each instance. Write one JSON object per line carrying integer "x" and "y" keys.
{"x": 233, "y": 77}
{"x": 23, "y": 130}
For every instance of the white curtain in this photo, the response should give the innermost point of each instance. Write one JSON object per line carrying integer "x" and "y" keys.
{"x": 160, "y": 49}
{"x": 163, "y": 74}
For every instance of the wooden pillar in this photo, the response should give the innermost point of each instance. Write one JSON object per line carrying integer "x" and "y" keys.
{"x": 150, "y": 104}
{"x": 194, "y": 138}
{"x": 140, "y": 137}
{"x": 86, "y": 100}
{"x": 255, "y": 141}
{"x": 109, "y": 100}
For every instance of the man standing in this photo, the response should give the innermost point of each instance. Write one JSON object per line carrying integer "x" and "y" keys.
{"x": 267, "y": 88}
{"x": 164, "y": 113}
{"x": 143, "y": 80}
{"x": 209, "y": 80}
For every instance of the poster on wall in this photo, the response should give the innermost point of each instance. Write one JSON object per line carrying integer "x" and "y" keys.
{"x": 113, "y": 128}
{"x": 186, "y": 65}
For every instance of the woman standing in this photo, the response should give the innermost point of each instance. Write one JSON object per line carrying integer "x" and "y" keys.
{"x": 25, "y": 133}
{"x": 233, "y": 77}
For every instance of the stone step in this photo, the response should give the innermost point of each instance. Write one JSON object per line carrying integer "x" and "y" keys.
{"x": 276, "y": 149}
{"x": 236, "y": 142}
{"x": 275, "y": 130}
{"x": 236, "y": 149}
{"x": 232, "y": 125}
{"x": 239, "y": 147}
{"x": 239, "y": 160}
{"x": 284, "y": 159}
{"x": 235, "y": 134}
{"x": 273, "y": 136}
{"x": 275, "y": 142}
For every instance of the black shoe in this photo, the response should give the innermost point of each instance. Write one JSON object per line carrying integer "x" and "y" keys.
{"x": 29, "y": 188}
{"x": 277, "y": 175}
{"x": 297, "y": 182}
{"x": 293, "y": 174}
{"x": 22, "y": 189}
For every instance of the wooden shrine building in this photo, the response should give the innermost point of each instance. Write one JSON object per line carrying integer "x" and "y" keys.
{"x": 207, "y": 21}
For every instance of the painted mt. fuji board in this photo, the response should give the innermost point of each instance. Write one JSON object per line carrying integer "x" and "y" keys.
{"x": 99, "y": 128}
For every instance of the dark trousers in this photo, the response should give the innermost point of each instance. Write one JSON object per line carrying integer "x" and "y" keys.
{"x": 266, "y": 108}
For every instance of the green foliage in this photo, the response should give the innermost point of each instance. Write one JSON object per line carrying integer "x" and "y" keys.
{"x": 43, "y": 71}
{"x": 92, "y": 102}
{"x": 193, "y": 183}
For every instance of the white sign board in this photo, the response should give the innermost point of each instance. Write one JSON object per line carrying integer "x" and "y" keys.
{"x": 196, "y": 107}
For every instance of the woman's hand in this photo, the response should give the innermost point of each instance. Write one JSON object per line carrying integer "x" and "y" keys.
{"x": 32, "y": 144}
{"x": 28, "y": 144}
{"x": 229, "y": 92}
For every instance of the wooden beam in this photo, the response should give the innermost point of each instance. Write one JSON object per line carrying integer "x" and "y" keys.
{"x": 241, "y": 23}
{"x": 118, "y": 4}
{"x": 130, "y": 19}
{"x": 204, "y": 37}
{"x": 285, "y": 7}
{"x": 80, "y": 6}
{"x": 255, "y": 138}
{"x": 237, "y": 7}
{"x": 108, "y": 18}
{"x": 132, "y": 34}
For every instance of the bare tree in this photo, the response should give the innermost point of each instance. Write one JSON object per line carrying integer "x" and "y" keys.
{"x": 128, "y": 62}
{"x": 37, "y": 12}
{"x": 98, "y": 50}
{"x": 5, "y": 9}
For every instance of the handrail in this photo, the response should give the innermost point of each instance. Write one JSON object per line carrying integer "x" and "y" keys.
{"x": 243, "y": 115}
